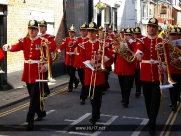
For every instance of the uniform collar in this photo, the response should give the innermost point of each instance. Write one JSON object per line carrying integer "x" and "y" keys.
{"x": 152, "y": 37}
{"x": 43, "y": 34}
{"x": 32, "y": 39}
{"x": 84, "y": 37}
{"x": 93, "y": 41}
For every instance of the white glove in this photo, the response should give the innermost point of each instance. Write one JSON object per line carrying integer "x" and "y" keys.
{"x": 6, "y": 47}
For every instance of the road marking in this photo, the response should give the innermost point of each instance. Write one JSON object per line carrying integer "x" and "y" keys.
{"x": 140, "y": 127}
{"x": 174, "y": 115}
{"x": 50, "y": 111}
{"x": 74, "y": 122}
{"x": 27, "y": 104}
{"x": 173, "y": 120}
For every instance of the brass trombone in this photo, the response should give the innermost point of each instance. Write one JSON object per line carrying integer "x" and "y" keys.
{"x": 160, "y": 48}
{"x": 44, "y": 50}
{"x": 101, "y": 51}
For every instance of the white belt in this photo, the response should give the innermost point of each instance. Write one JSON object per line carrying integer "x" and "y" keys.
{"x": 150, "y": 61}
{"x": 70, "y": 53}
{"x": 31, "y": 61}
{"x": 76, "y": 53}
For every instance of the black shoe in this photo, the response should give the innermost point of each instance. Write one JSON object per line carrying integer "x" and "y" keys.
{"x": 43, "y": 114}
{"x": 138, "y": 94}
{"x": 38, "y": 119}
{"x": 70, "y": 90}
{"x": 122, "y": 100}
{"x": 82, "y": 102}
{"x": 98, "y": 117}
{"x": 30, "y": 126}
{"x": 171, "y": 105}
{"x": 103, "y": 93}
{"x": 92, "y": 122}
{"x": 46, "y": 94}
{"x": 125, "y": 105}
{"x": 174, "y": 108}
{"x": 76, "y": 85}
{"x": 152, "y": 132}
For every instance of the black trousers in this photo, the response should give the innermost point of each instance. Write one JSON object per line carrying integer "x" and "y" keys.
{"x": 107, "y": 73}
{"x": 46, "y": 87}
{"x": 125, "y": 85}
{"x": 137, "y": 80}
{"x": 152, "y": 95}
{"x": 73, "y": 79}
{"x": 34, "y": 107}
{"x": 83, "y": 93}
{"x": 96, "y": 101}
{"x": 175, "y": 91}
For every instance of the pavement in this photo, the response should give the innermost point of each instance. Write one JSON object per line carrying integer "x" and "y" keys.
{"x": 19, "y": 94}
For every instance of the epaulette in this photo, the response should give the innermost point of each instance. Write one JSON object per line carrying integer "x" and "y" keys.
{"x": 141, "y": 39}
{"x": 51, "y": 36}
{"x": 22, "y": 39}
{"x": 82, "y": 44}
{"x": 165, "y": 41}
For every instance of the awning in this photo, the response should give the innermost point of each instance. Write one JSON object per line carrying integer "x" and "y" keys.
{"x": 3, "y": 2}
{"x": 164, "y": 2}
{"x": 177, "y": 7}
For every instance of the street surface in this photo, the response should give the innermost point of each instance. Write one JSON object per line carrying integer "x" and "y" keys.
{"x": 66, "y": 117}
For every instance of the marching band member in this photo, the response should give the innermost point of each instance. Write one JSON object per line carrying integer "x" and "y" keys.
{"x": 94, "y": 81}
{"x": 149, "y": 72}
{"x": 115, "y": 32}
{"x": 77, "y": 64}
{"x": 43, "y": 29}
{"x": 31, "y": 49}
{"x": 137, "y": 35}
{"x": 125, "y": 70}
{"x": 110, "y": 33}
{"x": 1, "y": 55}
{"x": 68, "y": 44}
{"x": 109, "y": 44}
{"x": 99, "y": 32}
{"x": 174, "y": 73}
{"x": 1, "y": 58}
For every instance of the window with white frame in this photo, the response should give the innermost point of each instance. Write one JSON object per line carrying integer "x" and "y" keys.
{"x": 145, "y": 10}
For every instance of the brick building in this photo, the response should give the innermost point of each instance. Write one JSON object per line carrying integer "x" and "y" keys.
{"x": 20, "y": 12}
{"x": 14, "y": 17}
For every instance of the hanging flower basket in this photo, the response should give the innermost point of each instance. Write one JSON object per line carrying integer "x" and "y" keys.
{"x": 100, "y": 6}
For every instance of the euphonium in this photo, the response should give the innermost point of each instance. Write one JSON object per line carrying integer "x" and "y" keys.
{"x": 54, "y": 55}
{"x": 125, "y": 52}
{"x": 174, "y": 52}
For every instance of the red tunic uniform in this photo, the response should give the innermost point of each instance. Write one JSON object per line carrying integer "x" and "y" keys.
{"x": 78, "y": 49}
{"x": 109, "y": 43}
{"x": 70, "y": 54}
{"x": 149, "y": 64}
{"x": 172, "y": 70}
{"x": 122, "y": 67}
{"x": 111, "y": 35}
{"x": 50, "y": 39}
{"x": 91, "y": 49}
{"x": 31, "y": 51}
{"x": 1, "y": 55}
